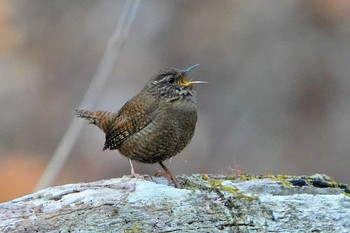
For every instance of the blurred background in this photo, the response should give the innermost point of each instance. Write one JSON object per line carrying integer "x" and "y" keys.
{"x": 278, "y": 98}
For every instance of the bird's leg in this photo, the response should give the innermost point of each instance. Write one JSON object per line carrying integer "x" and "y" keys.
{"x": 133, "y": 174}
{"x": 168, "y": 174}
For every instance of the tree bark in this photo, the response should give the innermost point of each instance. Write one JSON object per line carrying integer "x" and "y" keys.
{"x": 205, "y": 203}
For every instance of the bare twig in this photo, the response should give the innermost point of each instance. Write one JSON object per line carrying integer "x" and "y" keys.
{"x": 114, "y": 46}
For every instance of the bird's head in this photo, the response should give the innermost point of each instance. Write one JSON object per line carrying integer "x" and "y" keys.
{"x": 173, "y": 84}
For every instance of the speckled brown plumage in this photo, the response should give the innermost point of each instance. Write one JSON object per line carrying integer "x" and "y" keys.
{"x": 156, "y": 124}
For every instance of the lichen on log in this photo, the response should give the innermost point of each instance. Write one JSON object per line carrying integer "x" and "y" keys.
{"x": 205, "y": 203}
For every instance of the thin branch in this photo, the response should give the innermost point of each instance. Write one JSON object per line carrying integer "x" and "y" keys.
{"x": 112, "y": 52}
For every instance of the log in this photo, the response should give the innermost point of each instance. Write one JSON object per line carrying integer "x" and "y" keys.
{"x": 204, "y": 203}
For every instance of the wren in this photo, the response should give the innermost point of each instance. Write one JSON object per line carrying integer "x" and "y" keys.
{"x": 156, "y": 124}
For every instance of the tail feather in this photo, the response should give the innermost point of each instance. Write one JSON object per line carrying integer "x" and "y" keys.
{"x": 102, "y": 119}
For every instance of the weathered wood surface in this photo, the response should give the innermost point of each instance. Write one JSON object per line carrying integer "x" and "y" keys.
{"x": 206, "y": 203}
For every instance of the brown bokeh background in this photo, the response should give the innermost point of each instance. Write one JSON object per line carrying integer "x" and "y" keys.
{"x": 278, "y": 98}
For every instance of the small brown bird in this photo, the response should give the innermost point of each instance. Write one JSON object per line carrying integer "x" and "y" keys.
{"x": 156, "y": 124}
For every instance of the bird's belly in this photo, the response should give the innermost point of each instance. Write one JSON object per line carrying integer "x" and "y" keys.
{"x": 162, "y": 139}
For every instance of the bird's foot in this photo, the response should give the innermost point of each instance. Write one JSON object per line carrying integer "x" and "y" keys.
{"x": 169, "y": 175}
{"x": 132, "y": 170}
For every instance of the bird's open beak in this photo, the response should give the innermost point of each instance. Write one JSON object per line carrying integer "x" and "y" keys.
{"x": 189, "y": 83}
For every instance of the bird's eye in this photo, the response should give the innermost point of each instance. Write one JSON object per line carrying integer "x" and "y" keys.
{"x": 171, "y": 80}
